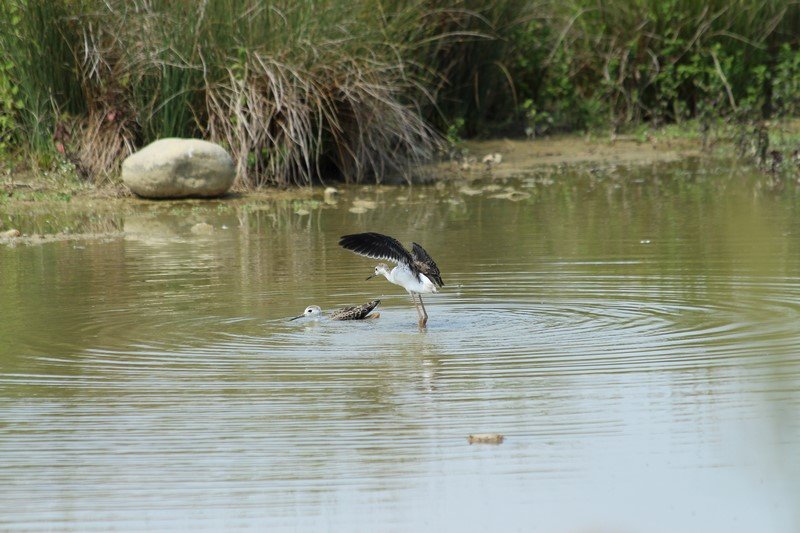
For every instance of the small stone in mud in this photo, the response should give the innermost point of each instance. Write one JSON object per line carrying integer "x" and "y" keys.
{"x": 486, "y": 438}
{"x": 10, "y": 234}
{"x": 491, "y": 160}
{"x": 330, "y": 195}
{"x": 202, "y": 228}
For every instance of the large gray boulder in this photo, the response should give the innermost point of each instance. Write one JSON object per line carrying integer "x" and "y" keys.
{"x": 177, "y": 168}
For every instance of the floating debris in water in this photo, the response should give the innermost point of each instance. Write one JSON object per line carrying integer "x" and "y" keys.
{"x": 491, "y": 160}
{"x": 486, "y": 438}
{"x": 202, "y": 228}
{"x": 469, "y": 191}
{"x": 467, "y": 163}
{"x": 366, "y": 204}
{"x": 10, "y": 234}
{"x": 514, "y": 196}
{"x": 644, "y": 241}
{"x": 362, "y": 206}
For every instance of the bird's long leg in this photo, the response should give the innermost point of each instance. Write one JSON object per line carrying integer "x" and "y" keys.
{"x": 424, "y": 318}
{"x": 416, "y": 305}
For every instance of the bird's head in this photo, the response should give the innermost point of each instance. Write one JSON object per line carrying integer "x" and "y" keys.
{"x": 380, "y": 269}
{"x": 311, "y": 310}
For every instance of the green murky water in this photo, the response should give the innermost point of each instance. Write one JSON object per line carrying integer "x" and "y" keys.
{"x": 634, "y": 334}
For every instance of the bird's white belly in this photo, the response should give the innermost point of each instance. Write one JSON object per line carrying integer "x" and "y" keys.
{"x": 409, "y": 281}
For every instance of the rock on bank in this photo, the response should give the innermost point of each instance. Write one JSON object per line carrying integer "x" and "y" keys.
{"x": 179, "y": 168}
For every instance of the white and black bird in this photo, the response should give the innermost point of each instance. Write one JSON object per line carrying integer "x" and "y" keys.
{"x": 416, "y": 271}
{"x": 355, "y": 312}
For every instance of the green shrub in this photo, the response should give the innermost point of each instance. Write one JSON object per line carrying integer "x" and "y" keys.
{"x": 296, "y": 90}
{"x": 312, "y": 89}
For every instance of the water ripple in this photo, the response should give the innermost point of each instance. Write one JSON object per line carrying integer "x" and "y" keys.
{"x": 171, "y": 391}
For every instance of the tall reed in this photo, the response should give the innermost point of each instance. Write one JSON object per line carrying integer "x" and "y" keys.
{"x": 35, "y": 49}
{"x": 301, "y": 90}
{"x": 297, "y": 90}
{"x": 573, "y": 64}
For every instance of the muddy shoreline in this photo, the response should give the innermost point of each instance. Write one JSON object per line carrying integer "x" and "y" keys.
{"x": 46, "y": 202}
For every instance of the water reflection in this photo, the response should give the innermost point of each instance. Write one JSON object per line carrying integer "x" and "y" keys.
{"x": 635, "y": 340}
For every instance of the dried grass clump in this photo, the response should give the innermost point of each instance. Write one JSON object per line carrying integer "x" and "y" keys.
{"x": 101, "y": 141}
{"x": 342, "y": 118}
{"x": 298, "y": 91}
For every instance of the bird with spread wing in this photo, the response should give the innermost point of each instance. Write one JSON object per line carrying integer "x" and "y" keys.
{"x": 416, "y": 270}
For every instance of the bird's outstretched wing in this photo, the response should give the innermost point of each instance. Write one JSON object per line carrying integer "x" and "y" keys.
{"x": 356, "y": 312}
{"x": 425, "y": 264}
{"x": 377, "y": 246}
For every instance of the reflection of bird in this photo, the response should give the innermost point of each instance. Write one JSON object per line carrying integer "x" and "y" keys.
{"x": 416, "y": 271}
{"x": 355, "y": 312}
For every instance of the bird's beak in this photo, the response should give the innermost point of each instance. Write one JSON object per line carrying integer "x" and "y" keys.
{"x": 369, "y": 278}
{"x": 295, "y": 318}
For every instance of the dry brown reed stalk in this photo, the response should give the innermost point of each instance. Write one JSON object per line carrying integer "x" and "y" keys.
{"x": 329, "y": 105}
{"x": 287, "y": 125}
{"x": 98, "y": 140}
{"x": 104, "y": 140}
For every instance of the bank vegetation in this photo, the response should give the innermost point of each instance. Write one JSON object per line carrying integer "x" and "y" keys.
{"x": 363, "y": 89}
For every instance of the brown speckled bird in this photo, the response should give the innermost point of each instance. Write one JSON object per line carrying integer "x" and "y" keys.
{"x": 355, "y": 312}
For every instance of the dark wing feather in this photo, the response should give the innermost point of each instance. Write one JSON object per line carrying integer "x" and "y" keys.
{"x": 377, "y": 246}
{"x": 356, "y": 312}
{"x": 425, "y": 264}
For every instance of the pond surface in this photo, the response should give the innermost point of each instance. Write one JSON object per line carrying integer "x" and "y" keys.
{"x": 634, "y": 334}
